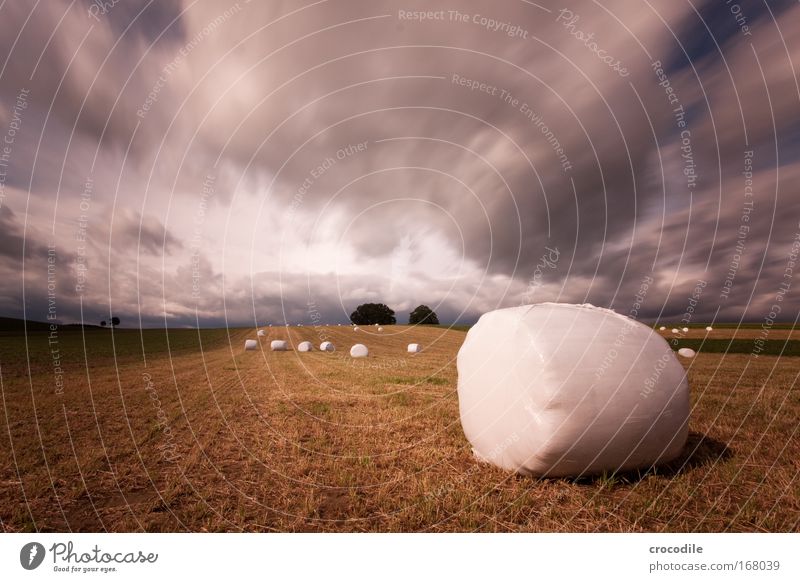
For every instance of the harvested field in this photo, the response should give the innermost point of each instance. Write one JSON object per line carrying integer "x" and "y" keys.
{"x": 225, "y": 440}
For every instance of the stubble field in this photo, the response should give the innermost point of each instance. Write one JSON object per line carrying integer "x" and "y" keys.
{"x": 187, "y": 432}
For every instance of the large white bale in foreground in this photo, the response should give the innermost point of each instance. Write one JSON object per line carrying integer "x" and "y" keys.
{"x": 414, "y": 348}
{"x": 304, "y": 347}
{"x": 566, "y": 390}
{"x": 326, "y": 347}
{"x": 250, "y": 345}
{"x": 359, "y": 351}
{"x": 261, "y": 333}
{"x": 278, "y": 346}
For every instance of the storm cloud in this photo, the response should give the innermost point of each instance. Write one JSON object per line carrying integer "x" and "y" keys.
{"x": 231, "y": 163}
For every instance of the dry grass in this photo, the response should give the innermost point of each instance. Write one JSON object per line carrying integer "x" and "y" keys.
{"x": 227, "y": 440}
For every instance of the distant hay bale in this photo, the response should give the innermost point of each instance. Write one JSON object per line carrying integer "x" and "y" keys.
{"x": 250, "y": 345}
{"x": 359, "y": 351}
{"x": 278, "y": 346}
{"x": 709, "y": 328}
{"x": 675, "y": 330}
{"x": 355, "y": 328}
{"x": 304, "y": 347}
{"x": 685, "y": 329}
{"x": 414, "y": 348}
{"x": 327, "y": 347}
{"x": 662, "y": 328}
{"x": 687, "y": 352}
{"x": 380, "y": 329}
{"x": 261, "y": 333}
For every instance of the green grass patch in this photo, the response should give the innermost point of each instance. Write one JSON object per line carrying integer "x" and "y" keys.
{"x": 723, "y": 325}
{"x": 738, "y": 346}
{"x": 99, "y": 346}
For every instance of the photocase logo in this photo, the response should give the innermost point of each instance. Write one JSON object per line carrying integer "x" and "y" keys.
{"x": 31, "y": 555}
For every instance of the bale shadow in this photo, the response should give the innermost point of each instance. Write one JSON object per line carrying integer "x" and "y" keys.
{"x": 700, "y": 450}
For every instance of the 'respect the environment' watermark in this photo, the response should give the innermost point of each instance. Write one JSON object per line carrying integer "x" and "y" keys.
{"x": 52, "y": 318}
{"x": 169, "y": 69}
{"x": 744, "y": 227}
{"x": 536, "y": 119}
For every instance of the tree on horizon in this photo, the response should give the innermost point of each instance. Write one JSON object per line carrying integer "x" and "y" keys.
{"x": 372, "y": 313}
{"x": 423, "y": 315}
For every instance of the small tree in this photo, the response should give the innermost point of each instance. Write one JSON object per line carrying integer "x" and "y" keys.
{"x": 115, "y": 321}
{"x": 372, "y": 313}
{"x": 423, "y": 315}
{"x": 103, "y": 323}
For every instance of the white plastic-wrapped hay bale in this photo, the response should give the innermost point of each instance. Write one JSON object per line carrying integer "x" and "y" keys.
{"x": 685, "y": 329}
{"x": 278, "y": 345}
{"x": 662, "y": 328}
{"x": 414, "y": 348}
{"x": 380, "y": 329}
{"x": 304, "y": 347}
{"x": 326, "y": 347}
{"x": 355, "y": 328}
{"x": 675, "y": 330}
{"x": 709, "y": 328}
{"x": 261, "y": 333}
{"x": 566, "y": 390}
{"x": 359, "y": 351}
{"x": 687, "y": 352}
{"x": 250, "y": 345}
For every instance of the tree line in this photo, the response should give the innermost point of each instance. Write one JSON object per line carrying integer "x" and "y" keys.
{"x": 378, "y": 313}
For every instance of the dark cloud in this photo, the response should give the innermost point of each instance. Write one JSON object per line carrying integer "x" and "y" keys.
{"x": 146, "y": 234}
{"x": 221, "y": 145}
{"x": 13, "y": 243}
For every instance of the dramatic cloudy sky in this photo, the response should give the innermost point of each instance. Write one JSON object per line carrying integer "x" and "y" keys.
{"x": 185, "y": 162}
